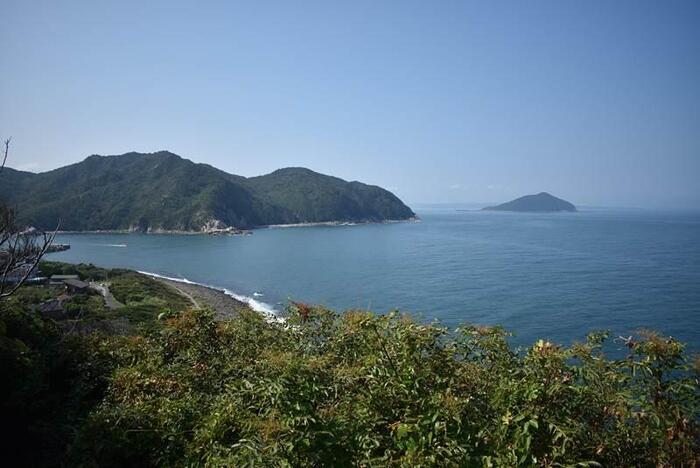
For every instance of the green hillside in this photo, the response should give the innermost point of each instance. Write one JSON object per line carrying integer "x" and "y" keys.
{"x": 162, "y": 191}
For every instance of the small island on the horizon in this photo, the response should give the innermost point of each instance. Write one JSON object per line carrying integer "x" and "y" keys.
{"x": 542, "y": 202}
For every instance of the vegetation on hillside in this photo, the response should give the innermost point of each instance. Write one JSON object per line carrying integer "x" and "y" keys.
{"x": 145, "y": 299}
{"x": 85, "y": 271}
{"x": 327, "y": 389}
{"x": 163, "y": 191}
{"x": 55, "y": 372}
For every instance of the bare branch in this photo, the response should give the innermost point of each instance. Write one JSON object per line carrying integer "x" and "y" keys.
{"x": 20, "y": 248}
{"x": 48, "y": 239}
{"x": 7, "y": 150}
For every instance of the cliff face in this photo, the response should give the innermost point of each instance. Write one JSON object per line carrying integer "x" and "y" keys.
{"x": 542, "y": 202}
{"x": 164, "y": 192}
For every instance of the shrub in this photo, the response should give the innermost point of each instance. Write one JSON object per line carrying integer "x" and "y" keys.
{"x": 50, "y": 382}
{"x": 358, "y": 389}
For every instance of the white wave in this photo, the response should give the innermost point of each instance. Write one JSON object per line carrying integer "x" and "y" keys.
{"x": 110, "y": 245}
{"x": 260, "y": 307}
{"x": 179, "y": 280}
{"x": 257, "y": 294}
{"x": 267, "y": 310}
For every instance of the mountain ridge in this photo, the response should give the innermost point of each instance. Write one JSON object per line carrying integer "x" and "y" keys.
{"x": 161, "y": 191}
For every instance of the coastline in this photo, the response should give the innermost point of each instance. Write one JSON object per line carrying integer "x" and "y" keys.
{"x": 156, "y": 232}
{"x": 225, "y": 303}
{"x": 245, "y": 232}
{"x": 338, "y": 223}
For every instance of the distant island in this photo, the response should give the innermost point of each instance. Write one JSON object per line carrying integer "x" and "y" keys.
{"x": 542, "y": 202}
{"x": 162, "y": 192}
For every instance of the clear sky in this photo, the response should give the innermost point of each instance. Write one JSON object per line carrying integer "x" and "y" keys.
{"x": 595, "y": 101}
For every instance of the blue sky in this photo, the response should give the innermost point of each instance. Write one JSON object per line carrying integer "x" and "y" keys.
{"x": 596, "y": 101}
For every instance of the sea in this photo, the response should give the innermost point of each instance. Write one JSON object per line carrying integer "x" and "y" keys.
{"x": 554, "y": 276}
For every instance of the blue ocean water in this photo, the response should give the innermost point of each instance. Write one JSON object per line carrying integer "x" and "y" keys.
{"x": 554, "y": 276}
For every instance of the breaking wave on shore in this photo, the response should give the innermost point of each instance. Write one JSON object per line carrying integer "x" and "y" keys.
{"x": 263, "y": 308}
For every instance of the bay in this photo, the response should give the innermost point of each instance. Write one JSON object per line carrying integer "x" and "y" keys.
{"x": 552, "y": 275}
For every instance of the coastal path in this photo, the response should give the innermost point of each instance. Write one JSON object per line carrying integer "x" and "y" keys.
{"x": 103, "y": 289}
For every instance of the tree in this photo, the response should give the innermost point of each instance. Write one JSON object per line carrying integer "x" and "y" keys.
{"x": 21, "y": 248}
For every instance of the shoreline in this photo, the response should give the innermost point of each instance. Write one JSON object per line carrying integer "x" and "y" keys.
{"x": 173, "y": 232}
{"x": 225, "y": 303}
{"x": 245, "y": 232}
{"x": 338, "y": 223}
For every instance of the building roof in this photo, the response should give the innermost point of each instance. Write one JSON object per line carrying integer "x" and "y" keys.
{"x": 76, "y": 283}
{"x": 64, "y": 277}
{"x": 52, "y": 305}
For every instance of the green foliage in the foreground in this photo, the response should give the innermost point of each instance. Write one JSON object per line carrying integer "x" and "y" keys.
{"x": 343, "y": 390}
{"x": 349, "y": 389}
{"x": 49, "y": 382}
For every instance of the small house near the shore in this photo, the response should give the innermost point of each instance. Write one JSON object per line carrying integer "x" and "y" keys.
{"x": 61, "y": 279}
{"x": 52, "y": 309}
{"x": 55, "y": 308}
{"x": 75, "y": 286}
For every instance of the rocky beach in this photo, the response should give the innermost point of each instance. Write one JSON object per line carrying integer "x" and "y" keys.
{"x": 223, "y": 305}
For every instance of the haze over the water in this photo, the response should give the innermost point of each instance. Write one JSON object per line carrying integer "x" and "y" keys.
{"x": 596, "y": 102}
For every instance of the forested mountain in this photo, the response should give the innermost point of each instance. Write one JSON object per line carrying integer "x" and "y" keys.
{"x": 162, "y": 191}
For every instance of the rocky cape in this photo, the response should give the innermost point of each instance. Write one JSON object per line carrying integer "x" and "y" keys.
{"x": 163, "y": 192}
